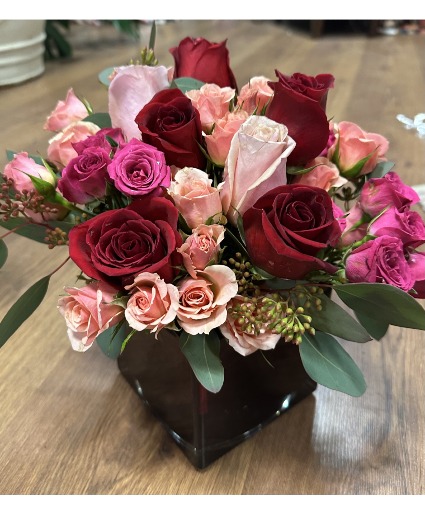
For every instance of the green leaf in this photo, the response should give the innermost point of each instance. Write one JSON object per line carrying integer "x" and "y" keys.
{"x": 299, "y": 170}
{"x": 376, "y": 328}
{"x": 327, "y": 363}
{"x": 23, "y": 308}
{"x": 102, "y": 120}
{"x": 152, "y": 37}
{"x": 355, "y": 170}
{"x": 110, "y": 341}
{"x": 202, "y": 352}
{"x": 3, "y": 253}
{"x": 241, "y": 229}
{"x": 186, "y": 84}
{"x": 384, "y": 302}
{"x": 32, "y": 231}
{"x": 104, "y": 75}
{"x": 43, "y": 187}
{"x": 333, "y": 319}
{"x": 11, "y": 154}
{"x": 380, "y": 170}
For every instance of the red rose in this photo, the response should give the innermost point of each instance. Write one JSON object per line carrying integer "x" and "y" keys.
{"x": 118, "y": 244}
{"x": 299, "y": 102}
{"x": 203, "y": 60}
{"x": 286, "y": 229}
{"x": 170, "y": 123}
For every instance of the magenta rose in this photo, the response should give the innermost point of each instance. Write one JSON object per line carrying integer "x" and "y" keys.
{"x": 299, "y": 102}
{"x": 85, "y": 177}
{"x": 203, "y": 60}
{"x": 139, "y": 169}
{"x": 286, "y": 229}
{"x": 377, "y": 194}
{"x": 118, "y": 244}
{"x": 100, "y": 140}
{"x": 380, "y": 261}
{"x": 406, "y": 225}
{"x": 170, "y": 123}
{"x": 416, "y": 263}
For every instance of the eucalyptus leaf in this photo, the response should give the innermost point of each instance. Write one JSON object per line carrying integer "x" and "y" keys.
{"x": 111, "y": 339}
{"x": 104, "y": 75}
{"x": 202, "y": 351}
{"x": 335, "y": 320}
{"x": 23, "y": 308}
{"x": 33, "y": 231}
{"x": 376, "y": 328}
{"x": 384, "y": 302}
{"x": 3, "y": 253}
{"x": 380, "y": 170}
{"x": 102, "y": 120}
{"x": 327, "y": 363}
{"x": 186, "y": 84}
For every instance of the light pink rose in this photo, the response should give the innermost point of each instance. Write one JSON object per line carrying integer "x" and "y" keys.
{"x": 21, "y": 167}
{"x": 60, "y": 150}
{"x": 212, "y": 102}
{"x": 131, "y": 88}
{"x": 325, "y": 175}
{"x": 218, "y": 142}
{"x": 255, "y": 165}
{"x": 201, "y": 247}
{"x": 153, "y": 303}
{"x": 255, "y": 95}
{"x": 66, "y": 111}
{"x": 203, "y": 300}
{"x": 245, "y": 343}
{"x": 356, "y": 223}
{"x": 354, "y": 145}
{"x": 194, "y": 196}
{"x": 88, "y": 312}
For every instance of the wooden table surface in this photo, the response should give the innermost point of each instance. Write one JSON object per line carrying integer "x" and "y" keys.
{"x": 69, "y": 422}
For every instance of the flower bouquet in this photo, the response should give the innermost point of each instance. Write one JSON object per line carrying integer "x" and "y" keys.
{"x": 240, "y": 221}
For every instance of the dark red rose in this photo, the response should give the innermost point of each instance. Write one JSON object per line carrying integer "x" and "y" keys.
{"x": 286, "y": 229}
{"x": 203, "y": 60}
{"x": 299, "y": 102}
{"x": 117, "y": 244}
{"x": 170, "y": 123}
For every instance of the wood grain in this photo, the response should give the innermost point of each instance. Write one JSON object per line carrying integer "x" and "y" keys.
{"x": 70, "y": 424}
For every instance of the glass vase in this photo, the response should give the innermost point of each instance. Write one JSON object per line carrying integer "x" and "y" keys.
{"x": 257, "y": 389}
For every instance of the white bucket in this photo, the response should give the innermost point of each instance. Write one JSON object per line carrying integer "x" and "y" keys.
{"x": 21, "y": 50}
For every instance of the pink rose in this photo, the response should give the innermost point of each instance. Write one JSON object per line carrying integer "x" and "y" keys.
{"x": 66, "y": 112}
{"x": 255, "y": 95}
{"x": 406, "y": 225}
{"x": 339, "y": 216}
{"x": 331, "y": 140}
{"x": 243, "y": 342}
{"x": 60, "y": 150}
{"x": 378, "y": 194}
{"x": 356, "y": 224}
{"x": 21, "y": 167}
{"x": 88, "y": 312}
{"x": 212, "y": 102}
{"x": 99, "y": 140}
{"x": 201, "y": 248}
{"x": 255, "y": 165}
{"x": 218, "y": 143}
{"x": 85, "y": 177}
{"x": 194, "y": 196}
{"x": 416, "y": 264}
{"x": 153, "y": 303}
{"x": 355, "y": 145}
{"x": 139, "y": 169}
{"x": 203, "y": 300}
{"x": 380, "y": 261}
{"x": 131, "y": 88}
{"x": 325, "y": 175}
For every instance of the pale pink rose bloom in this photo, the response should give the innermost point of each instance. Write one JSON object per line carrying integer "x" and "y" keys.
{"x": 131, "y": 88}
{"x": 60, "y": 150}
{"x": 325, "y": 175}
{"x": 354, "y": 145}
{"x": 218, "y": 142}
{"x": 194, "y": 196}
{"x": 212, "y": 102}
{"x": 201, "y": 247}
{"x": 66, "y": 111}
{"x": 245, "y": 343}
{"x": 255, "y": 95}
{"x": 203, "y": 300}
{"x": 21, "y": 167}
{"x": 153, "y": 303}
{"x": 255, "y": 165}
{"x": 355, "y": 228}
{"x": 88, "y": 312}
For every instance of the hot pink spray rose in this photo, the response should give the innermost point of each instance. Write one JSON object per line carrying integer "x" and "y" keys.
{"x": 153, "y": 303}
{"x": 67, "y": 111}
{"x": 194, "y": 196}
{"x": 88, "y": 312}
{"x": 255, "y": 165}
{"x": 406, "y": 225}
{"x": 100, "y": 140}
{"x": 416, "y": 263}
{"x": 203, "y": 300}
{"x": 139, "y": 169}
